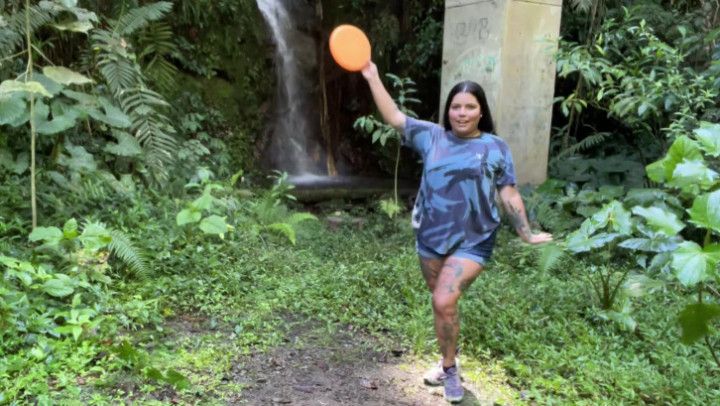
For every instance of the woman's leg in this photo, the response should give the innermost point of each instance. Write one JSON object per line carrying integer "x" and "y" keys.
{"x": 456, "y": 275}
{"x": 430, "y": 268}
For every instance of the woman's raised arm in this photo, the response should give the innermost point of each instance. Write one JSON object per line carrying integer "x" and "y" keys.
{"x": 390, "y": 112}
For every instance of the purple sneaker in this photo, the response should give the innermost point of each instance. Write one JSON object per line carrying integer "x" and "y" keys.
{"x": 435, "y": 376}
{"x": 454, "y": 391}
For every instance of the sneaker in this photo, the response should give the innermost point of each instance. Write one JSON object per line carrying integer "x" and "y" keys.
{"x": 454, "y": 391}
{"x": 435, "y": 376}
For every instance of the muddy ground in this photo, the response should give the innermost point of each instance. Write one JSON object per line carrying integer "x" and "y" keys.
{"x": 344, "y": 367}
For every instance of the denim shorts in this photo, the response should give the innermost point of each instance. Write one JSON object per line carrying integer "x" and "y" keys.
{"x": 480, "y": 253}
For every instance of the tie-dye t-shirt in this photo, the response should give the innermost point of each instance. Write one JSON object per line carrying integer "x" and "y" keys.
{"x": 455, "y": 206}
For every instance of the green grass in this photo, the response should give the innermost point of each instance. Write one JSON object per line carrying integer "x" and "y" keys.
{"x": 534, "y": 330}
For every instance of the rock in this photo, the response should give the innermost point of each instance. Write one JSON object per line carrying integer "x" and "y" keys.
{"x": 368, "y": 384}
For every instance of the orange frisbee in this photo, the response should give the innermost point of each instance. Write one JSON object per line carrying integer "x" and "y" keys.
{"x": 350, "y": 47}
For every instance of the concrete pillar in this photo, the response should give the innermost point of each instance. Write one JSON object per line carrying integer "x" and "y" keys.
{"x": 507, "y": 46}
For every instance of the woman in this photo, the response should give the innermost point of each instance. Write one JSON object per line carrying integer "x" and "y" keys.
{"x": 455, "y": 215}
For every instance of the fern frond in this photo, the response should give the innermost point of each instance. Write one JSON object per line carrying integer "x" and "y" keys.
{"x": 582, "y": 5}
{"x": 585, "y": 144}
{"x": 285, "y": 230}
{"x": 117, "y": 64}
{"x": 162, "y": 73}
{"x": 125, "y": 250}
{"x": 12, "y": 29}
{"x": 550, "y": 256}
{"x": 297, "y": 218}
{"x": 141, "y": 16}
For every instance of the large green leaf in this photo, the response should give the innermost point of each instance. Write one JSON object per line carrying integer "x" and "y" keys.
{"x": 613, "y": 215}
{"x": 12, "y": 107}
{"x": 95, "y": 236}
{"x": 204, "y": 202}
{"x": 75, "y": 26}
{"x": 49, "y": 235}
{"x": 690, "y": 175}
{"x": 682, "y": 149}
{"x": 17, "y": 165}
{"x": 694, "y": 320}
{"x": 648, "y": 197}
{"x": 60, "y": 286}
{"x": 82, "y": 98}
{"x": 693, "y": 264}
{"x": 187, "y": 216}
{"x": 70, "y": 229}
{"x": 660, "y": 243}
{"x": 127, "y": 145}
{"x": 708, "y": 136}
{"x": 113, "y": 115}
{"x": 55, "y": 125}
{"x": 705, "y": 211}
{"x": 65, "y": 76}
{"x": 578, "y": 242}
{"x": 13, "y": 86}
{"x": 660, "y": 220}
{"x": 79, "y": 160}
{"x": 215, "y": 225}
{"x": 53, "y": 87}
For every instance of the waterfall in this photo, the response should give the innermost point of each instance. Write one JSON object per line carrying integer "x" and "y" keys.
{"x": 293, "y": 147}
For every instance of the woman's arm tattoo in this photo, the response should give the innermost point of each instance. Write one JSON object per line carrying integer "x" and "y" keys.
{"x": 519, "y": 220}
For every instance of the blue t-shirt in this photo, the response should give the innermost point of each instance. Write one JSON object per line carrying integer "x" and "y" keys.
{"x": 455, "y": 206}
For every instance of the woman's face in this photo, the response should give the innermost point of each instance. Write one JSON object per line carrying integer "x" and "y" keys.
{"x": 464, "y": 115}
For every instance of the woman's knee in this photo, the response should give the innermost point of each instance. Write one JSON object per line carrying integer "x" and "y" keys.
{"x": 444, "y": 303}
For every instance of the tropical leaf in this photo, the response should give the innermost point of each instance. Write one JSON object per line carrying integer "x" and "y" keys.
{"x": 95, "y": 236}
{"x": 215, "y": 225}
{"x": 13, "y": 86}
{"x": 79, "y": 160}
{"x": 708, "y": 136}
{"x": 661, "y": 220}
{"x": 187, "y": 216}
{"x": 49, "y": 235}
{"x": 12, "y": 107}
{"x": 65, "y": 76}
{"x": 127, "y": 145}
{"x": 682, "y": 149}
{"x": 60, "y": 286}
{"x": 694, "y": 264}
{"x": 691, "y": 175}
{"x": 695, "y": 320}
{"x": 578, "y": 241}
{"x": 705, "y": 211}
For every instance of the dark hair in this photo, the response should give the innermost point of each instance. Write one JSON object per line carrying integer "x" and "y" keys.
{"x": 468, "y": 86}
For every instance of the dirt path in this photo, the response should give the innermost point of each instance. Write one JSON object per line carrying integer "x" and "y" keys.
{"x": 319, "y": 368}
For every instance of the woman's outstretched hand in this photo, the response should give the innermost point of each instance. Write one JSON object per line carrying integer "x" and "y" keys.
{"x": 370, "y": 71}
{"x": 539, "y": 238}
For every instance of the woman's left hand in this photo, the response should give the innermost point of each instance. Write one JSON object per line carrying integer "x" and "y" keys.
{"x": 539, "y": 238}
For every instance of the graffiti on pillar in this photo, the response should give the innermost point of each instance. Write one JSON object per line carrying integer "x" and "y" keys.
{"x": 477, "y": 64}
{"x": 473, "y": 30}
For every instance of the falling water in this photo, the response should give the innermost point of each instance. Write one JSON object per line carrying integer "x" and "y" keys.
{"x": 292, "y": 147}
